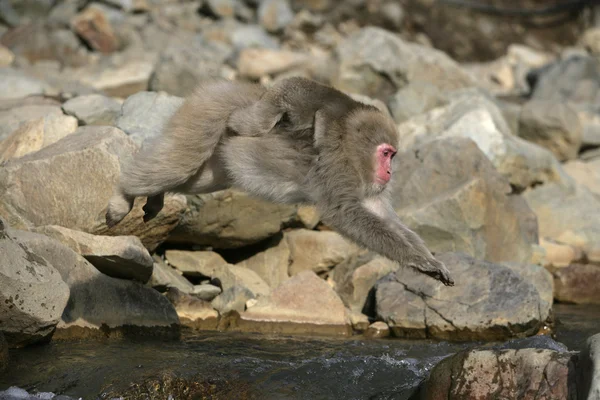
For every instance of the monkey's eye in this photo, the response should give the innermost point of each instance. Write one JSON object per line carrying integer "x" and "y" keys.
{"x": 386, "y": 153}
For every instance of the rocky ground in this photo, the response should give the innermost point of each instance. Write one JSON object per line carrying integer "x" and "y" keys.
{"x": 499, "y": 172}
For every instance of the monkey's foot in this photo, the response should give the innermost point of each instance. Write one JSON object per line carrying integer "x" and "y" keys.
{"x": 118, "y": 208}
{"x": 153, "y": 206}
{"x": 435, "y": 269}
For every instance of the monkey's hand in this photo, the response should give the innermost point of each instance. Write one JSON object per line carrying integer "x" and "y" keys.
{"x": 432, "y": 267}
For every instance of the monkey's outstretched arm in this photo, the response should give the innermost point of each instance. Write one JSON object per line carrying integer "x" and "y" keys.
{"x": 371, "y": 226}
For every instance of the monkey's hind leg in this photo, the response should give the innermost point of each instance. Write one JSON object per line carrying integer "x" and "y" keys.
{"x": 119, "y": 206}
{"x": 153, "y": 206}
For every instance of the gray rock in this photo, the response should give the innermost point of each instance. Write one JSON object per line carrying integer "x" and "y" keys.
{"x": 589, "y": 369}
{"x": 144, "y": 115}
{"x": 119, "y": 256}
{"x": 552, "y": 125}
{"x": 97, "y": 299}
{"x": 222, "y": 8}
{"x": 12, "y": 119}
{"x": 272, "y": 264}
{"x": 165, "y": 277}
{"x": 275, "y": 15}
{"x": 206, "y": 292}
{"x": 192, "y": 311}
{"x": 32, "y": 293}
{"x": 489, "y": 302}
{"x": 585, "y": 173}
{"x": 378, "y": 63}
{"x": 256, "y": 63}
{"x": 233, "y": 298}
{"x": 465, "y": 206}
{"x": 93, "y": 109}
{"x": 415, "y": 98}
{"x": 245, "y": 36}
{"x": 68, "y": 165}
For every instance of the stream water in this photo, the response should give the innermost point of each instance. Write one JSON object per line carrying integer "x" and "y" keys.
{"x": 264, "y": 367}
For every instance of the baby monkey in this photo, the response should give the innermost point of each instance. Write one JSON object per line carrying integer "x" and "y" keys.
{"x": 298, "y": 142}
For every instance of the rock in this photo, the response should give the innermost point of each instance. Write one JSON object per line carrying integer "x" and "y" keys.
{"x": 275, "y": 15}
{"x": 585, "y": 173}
{"x": 589, "y": 155}
{"x": 377, "y": 330}
{"x": 145, "y": 114}
{"x": 589, "y": 369}
{"x": 6, "y": 57}
{"x": 552, "y": 125}
{"x": 488, "y": 302}
{"x": 206, "y": 292}
{"x": 318, "y": 251}
{"x": 32, "y": 293}
{"x": 165, "y": 277}
{"x": 67, "y": 164}
{"x": 15, "y": 84}
{"x": 245, "y": 36}
{"x": 355, "y": 277}
{"x": 97, "y": 301}
{"x": 193, "y": 312}
{"x": 377, "y": 63}
{"x": 187, "y": 61}
{"x": 476, "y": 117}
{"x": 590, "y": 123}
{"x": 302, "y": 304}
{"x": 510, "y": 374}
{"x": 222, "y": 8}
{"x": 12, "y": 118}
{"x": 231, "y": 219}
{"x": 130, "y": 5}
{"x": 93, "y": 109}
{"x": 255, "y": 63}
{"x": 3, "y": 353}
{"x": 93, "y": 26}
{"x": 34, "y": 135}
{"x": 233, "y": 298}
{"x": 210, "y": 265}
{"x": 577, "y": 283}
{"x": 272, "y": 264}
{"x": 466, "y": 205}
{"x": 117, "y": 256}
{"x": 558, "y": 254}
{"x": 360, "y": 322}
{"x": 33, "y": 100}
{"x": 415, "y": 98}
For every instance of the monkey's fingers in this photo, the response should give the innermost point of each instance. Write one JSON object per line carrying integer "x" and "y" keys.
{"x": 436, "y": 270}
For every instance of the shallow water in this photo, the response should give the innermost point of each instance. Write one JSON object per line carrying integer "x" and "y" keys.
{"x": 271, "y": 367}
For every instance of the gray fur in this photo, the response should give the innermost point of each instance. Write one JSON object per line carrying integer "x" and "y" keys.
{"x": 297, "y": 142}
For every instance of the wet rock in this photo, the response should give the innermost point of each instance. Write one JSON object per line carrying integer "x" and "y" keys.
{"x": 187, "y": 61}
{"x": 552, "y": 125}
{"x": 231, "y": 219}
{"x": 207, "y": 264}
{"x": 165, "y": 277}
{"x": 474, "y": 116}
{"x": 233, "y": 298}
{"x": 586, "y": 173}
{"x": 94, "y": 27}
{"x": 15, "y": 84}
{"x": 254, "y": 62}
{"x": 36, "y": 134}
{"x": 206, "y": 292}
{"x": 355, "y": 277}
{"x": 192, "y": 311}
{"x": 318, "y": 251}
{"x": 377, "y": 63}
{"x": 3, "y": 353}
{"x": 577, "y": 283}
{"x": 67, "y": 165}
{"x": 589, "y": 369}
{"x": 413, "y": 99}
{"x": 93, "y": 109}
{"x": 117, "y": 256}
{"x": 511, "y": 374}
{"x": 377, "y": 330}
{"x": 32, "y": 293}
{"x": 275, "y": 15}
{"x": 98, "y": 301}
{"x": 489, "y": 302}
{"x": 272, "y": 264}
{"x": 302, "y": 304}
{"x": 145, "y": 114}
{"x": 466, "y": 205}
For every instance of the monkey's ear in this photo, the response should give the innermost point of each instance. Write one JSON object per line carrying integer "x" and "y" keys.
{"x": 320, "y": 127}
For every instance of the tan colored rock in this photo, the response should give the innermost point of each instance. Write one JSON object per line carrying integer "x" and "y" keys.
{"x": 14, "y": 115}
{"x": 378, "y": 329}
{"x": 559, "y": 254}
{"x": 272, "y": 264}
{"x": 302, "y": 304}
{"x": 164, "y": 277}
{"x": 192, "y": 311}
{"x": 586, "y": 173}
{"x": 6, "y": 56}
{"x": 577, "y": 283}
{"x": 257, "y": 62}
{"x": 117, "y": 256}
{"x": 359, "y": 321}
{"x": 94, "y": 27}
{"x": 317, "y": 251}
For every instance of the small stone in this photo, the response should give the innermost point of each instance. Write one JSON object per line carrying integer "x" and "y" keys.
{"x": 254, "y": 62}
{"x": 94, "y": 27}
{"x": 377, "y": 329}
{"x": 165, "y": 277}
{"x": 93, "y": 109}
{"x": 206, "y": 292}
{"x": 222, "y": 8}
{"x": 246, "y": 36}
{"x": 275, "y": 15}
{"x": 359, "y": 321}
{"x": 193, "y": 312}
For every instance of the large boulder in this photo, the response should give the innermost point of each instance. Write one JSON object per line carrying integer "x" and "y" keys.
{"x": 32, "y": 292}
{"x": 273, "y": 263}
{"x": 586, "y": 173}
{"x": 465, "y": 204}
{"x": 488, "y": 302}
{"x": 15, "y": 84}
{"x": 55, "y": 125}
{"x": 70, "y": 182}
{"x": 589, "y": 362}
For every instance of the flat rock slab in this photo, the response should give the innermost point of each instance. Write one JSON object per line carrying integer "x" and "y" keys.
{"x": 93, "y": 109}
{"x": 117, "y": 256}
{"x": 488, "y": 302}
{"x": 304, "y": 303}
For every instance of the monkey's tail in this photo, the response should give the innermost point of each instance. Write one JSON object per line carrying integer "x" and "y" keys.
{"x": 189, "y": 139}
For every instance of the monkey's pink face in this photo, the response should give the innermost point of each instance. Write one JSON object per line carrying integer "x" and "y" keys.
{"x": 383, "y": 163}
